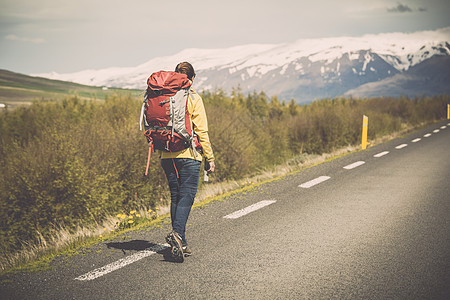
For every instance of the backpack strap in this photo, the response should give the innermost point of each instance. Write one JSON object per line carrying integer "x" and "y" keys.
{"x": 150, "y": 150}
{"x": 192, "y": 140}
{"x": 141, "y": 120}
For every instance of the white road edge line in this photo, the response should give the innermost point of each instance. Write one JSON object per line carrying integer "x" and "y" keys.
{"x": 121, "y": 263}
{"x": 416, "y": 140}
{"x": 401, "y": 146}
{"x": 354, "y": 165}
{"x": 313, "y": 182}
{"x": 381, "y": 154}
{"x": 436, "y": 130}
{"x": 249, "y": 209}
{"x": 443, "y": 127}
{"x": 427, "y": 135}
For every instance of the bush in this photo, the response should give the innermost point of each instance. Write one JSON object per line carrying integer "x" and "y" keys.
{"x": 82, "y": 162}
{"x": 75, "y": 162}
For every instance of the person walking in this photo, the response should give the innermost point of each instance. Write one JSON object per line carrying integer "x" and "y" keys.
{"x": 182, "y": 169}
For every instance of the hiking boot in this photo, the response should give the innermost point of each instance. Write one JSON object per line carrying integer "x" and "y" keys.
{"x": 187, "y": 251}
{"x": 174, "y": 240}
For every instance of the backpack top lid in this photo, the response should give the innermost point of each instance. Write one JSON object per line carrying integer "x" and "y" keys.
{"x": 168, "y": 82}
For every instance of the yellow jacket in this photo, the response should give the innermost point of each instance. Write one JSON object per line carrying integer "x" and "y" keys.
{"x": 199, "y": 121}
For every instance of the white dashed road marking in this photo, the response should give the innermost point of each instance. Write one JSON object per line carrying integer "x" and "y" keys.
{"x": 313, "y": 182}
{"x": 237, "y": 214}
{"x": 121, "y": 263}
{"x": 381, "y": 154}
{"x": 354, "y": 165}
{"x": 249, "y": 209}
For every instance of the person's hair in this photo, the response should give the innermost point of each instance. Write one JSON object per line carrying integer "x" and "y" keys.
{"x": 186, "y": 68}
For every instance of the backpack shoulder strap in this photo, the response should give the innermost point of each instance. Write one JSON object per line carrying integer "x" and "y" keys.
{"x": 142, "y": 119}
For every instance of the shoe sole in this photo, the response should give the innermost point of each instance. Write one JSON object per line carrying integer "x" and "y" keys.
{"x": 177, "y": 248}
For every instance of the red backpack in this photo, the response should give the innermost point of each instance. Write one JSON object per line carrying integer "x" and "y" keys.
{"x": 165, "y": 114}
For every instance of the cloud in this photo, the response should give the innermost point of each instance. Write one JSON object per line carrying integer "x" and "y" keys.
{"x": 403, "y": 8}
{"x": 400, "y": 8}
{"x": 14, "y": 37}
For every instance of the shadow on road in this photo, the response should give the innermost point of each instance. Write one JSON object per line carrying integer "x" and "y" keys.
{"x": 140, "y": 245}
{"x": 136, "y": 245}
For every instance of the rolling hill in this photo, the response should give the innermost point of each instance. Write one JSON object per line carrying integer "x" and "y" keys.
{"x": 16, "y": 89}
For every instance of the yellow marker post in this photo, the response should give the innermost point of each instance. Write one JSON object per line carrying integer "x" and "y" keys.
{"x": 448, "y": 111}
{"x": 364, "y": 132}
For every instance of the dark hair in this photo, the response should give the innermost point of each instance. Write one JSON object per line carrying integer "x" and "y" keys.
{"x": 186, "y": 68}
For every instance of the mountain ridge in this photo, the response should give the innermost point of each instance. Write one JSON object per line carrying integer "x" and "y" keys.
{"x": 305, "y": 70}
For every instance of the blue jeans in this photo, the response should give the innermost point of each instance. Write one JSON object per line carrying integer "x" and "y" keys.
{"x": 182, "y": 190}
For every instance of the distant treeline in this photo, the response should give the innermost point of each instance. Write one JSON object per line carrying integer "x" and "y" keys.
{"x": 75, "y": 162}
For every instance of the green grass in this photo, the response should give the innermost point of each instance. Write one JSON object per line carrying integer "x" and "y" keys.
{"x": 17, "y": 89}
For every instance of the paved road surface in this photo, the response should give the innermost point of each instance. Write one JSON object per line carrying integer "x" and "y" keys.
{"x": 370, "y": 225}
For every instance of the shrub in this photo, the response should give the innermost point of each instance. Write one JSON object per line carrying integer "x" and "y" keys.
{"x": 75, "y": 162}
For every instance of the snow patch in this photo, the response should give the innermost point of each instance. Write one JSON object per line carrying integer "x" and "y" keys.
{"x": 283, "y": 69}
{"x": 298, "y": 67}
{"x": 367, "y": 59}
{"x": 353, "y": 56}
{"x": 252, "y": 71}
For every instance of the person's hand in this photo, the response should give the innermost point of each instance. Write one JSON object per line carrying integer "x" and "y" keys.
{"x": 212, "y": 166}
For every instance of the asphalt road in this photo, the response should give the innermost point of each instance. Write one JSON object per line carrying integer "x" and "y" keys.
{"x": 377, "y": 229}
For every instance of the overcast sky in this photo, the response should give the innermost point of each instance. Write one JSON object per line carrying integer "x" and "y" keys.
{"x": 64, "y": 36}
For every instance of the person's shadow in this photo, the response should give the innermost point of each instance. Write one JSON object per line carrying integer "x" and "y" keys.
{"x": 140, "y": 245}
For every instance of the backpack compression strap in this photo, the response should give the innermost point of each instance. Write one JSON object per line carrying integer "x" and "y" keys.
{"x": 150, "y": 150}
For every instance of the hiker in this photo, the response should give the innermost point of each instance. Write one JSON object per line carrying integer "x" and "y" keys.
{"x": 182, "y": 169}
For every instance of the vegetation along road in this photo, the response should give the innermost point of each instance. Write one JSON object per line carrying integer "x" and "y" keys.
{"x": 370, "y": 225}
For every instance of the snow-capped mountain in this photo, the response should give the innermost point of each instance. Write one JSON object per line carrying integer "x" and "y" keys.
{"x": 304, "y": 70}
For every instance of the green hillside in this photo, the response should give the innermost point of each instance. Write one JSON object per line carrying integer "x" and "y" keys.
{"x": 16, "y": 89}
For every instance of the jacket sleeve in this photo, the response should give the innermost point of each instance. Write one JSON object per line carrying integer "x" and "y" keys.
{"x": 200, "y": 122}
